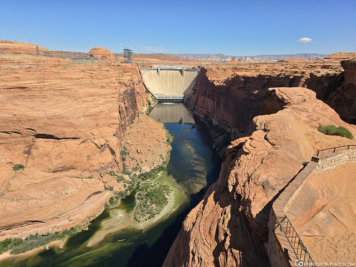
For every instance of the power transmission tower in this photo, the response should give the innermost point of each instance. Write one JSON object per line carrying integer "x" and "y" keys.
{"x": 128, "y": 55}
{"x": 37, "y": 50}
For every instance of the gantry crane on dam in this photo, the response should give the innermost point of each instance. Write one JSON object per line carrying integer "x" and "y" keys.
{"x": 169, "y": 83}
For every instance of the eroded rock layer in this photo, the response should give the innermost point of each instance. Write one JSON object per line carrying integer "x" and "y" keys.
{"x": 229, "y": 227}
{"x": 343, "y": 100}
{"x": 20, "y": 48}
{"x": 62, "y": 128}
{"x": 228, "y": 98}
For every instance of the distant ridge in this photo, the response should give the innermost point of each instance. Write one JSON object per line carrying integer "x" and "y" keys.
{"x": 222, "y": 57}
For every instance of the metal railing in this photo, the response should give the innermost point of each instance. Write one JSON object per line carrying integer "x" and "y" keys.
{"x": 334, "y": 149}
{"x": 295, "y": 242}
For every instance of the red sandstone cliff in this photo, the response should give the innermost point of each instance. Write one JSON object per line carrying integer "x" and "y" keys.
{"x": 343, "y": 99}
{"x": 20, "y": 48}
{"x": 229, "y": 226}
{"x": 228, "y": 106}
{"x": 341, "y": 56}
{"x": 65, "y": 122}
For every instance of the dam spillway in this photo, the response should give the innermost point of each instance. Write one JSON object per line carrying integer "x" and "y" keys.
{"x": 168, "y": 83}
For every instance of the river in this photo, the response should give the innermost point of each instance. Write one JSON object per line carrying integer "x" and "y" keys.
{"x": 193, "y": 166}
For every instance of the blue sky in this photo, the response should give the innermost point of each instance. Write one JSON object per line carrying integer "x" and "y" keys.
{"x": 248, "y": 27}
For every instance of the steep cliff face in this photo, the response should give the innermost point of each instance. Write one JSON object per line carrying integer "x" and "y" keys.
{"x": 228, "y": 107}
{"x": 343, "y": 99}
{"x": 65, "y": 123}
{"x": 229, "y": 227}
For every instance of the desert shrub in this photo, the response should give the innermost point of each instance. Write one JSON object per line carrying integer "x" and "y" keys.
{"x": 112, "y": 201}
{"x": 108, "y": 188}
{"x": 151, "y": 174}
{"x": 121, "y": 194}
{"x": 88, "y": 177}
{"x": 112, "y": 173}
{"x": 17, "y": 245}
{"x": 9, "y": 243}
{"x": 125, "y": 169}
{"x": 124, "y": 153}
{"x": 151, "y": 199}
{"x": 169, "y": 138}
{"x": 119, "y": 178}
{"x": 136, "y": 169}
{"x": 17, "y": 167}
{"x": 5, "y": 244}
{"x": 333, "y": 130}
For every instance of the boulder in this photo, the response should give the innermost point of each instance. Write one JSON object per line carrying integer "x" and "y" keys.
{"x": 101, "y": 52}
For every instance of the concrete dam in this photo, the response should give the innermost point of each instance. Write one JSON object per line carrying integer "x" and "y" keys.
{"x": 167, "y": 83}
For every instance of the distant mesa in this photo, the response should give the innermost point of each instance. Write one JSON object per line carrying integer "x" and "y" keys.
{"x": 226, "y": 58}
{"x": 342, "y": 56}
{"x": 294, "y": 60}
{"x": 20, "y": 48}
{"x": 101, "y": 52}
{"x": 234, "y": 60}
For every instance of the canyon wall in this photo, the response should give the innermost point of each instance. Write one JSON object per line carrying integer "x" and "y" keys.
{"x": 227, "y": 99}
{"x": 268, "y": 135}
{"x": 343, "y": 99}
{"x": 62, "y": 129}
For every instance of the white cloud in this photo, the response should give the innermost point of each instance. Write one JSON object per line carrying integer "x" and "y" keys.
{"x": 304, "y": 40}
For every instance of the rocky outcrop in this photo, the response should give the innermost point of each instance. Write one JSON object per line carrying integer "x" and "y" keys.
{"x": 65, "y": 122}
{"x": 101, "y": 52}
{"x": 343, "y": 99}
{"x": 228, "y": 106}
{"x": 229, "y": 226}
{"x": 323, "y": 213}
{"x": 20, "y": 48}
{"x": 341, "y": 56}
{"x": 294, "y": 60}
{"x": 234, "y": 60}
